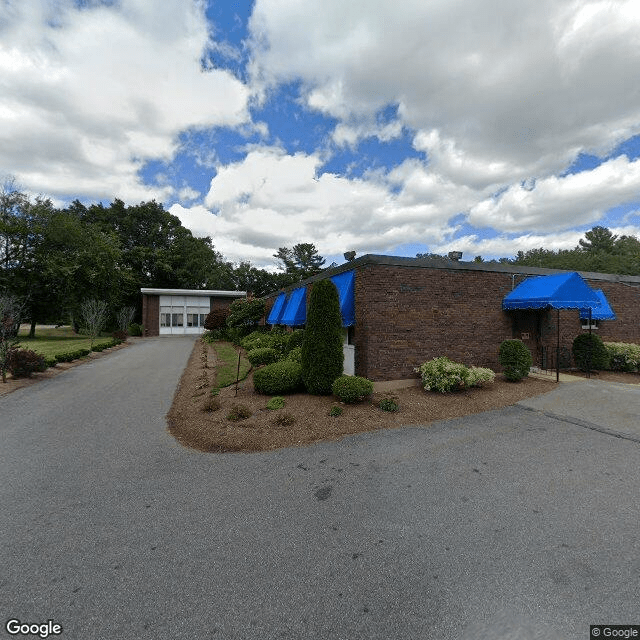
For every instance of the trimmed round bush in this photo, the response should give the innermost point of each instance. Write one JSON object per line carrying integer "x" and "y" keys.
{"x": 388, "y": 404}
{"x": 335, "y": 411}
{"x": 263, "y": 355}
{"x": 277, "y": 402}
{"x": 350, "y": 389}
{"x": 589, "y": 352}
{"x": 443, "y": 375}
{"x": 278, "y": 378}
{"x": 295, "y": 354}
{"x": 515, "y": 359}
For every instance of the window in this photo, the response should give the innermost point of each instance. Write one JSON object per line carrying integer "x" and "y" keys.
{"x": 203, "y": 317}
{"x": 585, "y": 323}
{"x": 176, "y": 319}
{"x": 165, "y": 316}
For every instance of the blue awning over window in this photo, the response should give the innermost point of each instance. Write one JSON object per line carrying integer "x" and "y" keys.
{"x": 295, "y": 311}
{"x": 604, "y": 312}
{"x": 277, "y": 309}
{"x": 558, "y": 291}
{"x": 345, "y": 284}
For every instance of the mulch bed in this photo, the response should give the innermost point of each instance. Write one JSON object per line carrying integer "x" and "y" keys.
{"x": 195, "y": 423}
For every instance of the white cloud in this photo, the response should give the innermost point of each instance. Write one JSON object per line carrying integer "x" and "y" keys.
{"x": 561, "y": 202}
{"x": 519, "y": 86}
{"x": 88, "y": 95}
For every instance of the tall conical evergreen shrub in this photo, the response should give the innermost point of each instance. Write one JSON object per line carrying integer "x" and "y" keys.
{"x": 322, "y": 357}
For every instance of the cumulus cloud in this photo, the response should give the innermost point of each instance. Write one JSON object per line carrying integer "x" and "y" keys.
{"x": 272, "y": 199}
{"x": 561, "y": 202}
{"x": 89, "y": 94}
{"x": 516, "y": 86}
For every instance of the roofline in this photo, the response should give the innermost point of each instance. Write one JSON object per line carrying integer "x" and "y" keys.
{"x": 194, "y": 292}
{"x": 455, "y": 265}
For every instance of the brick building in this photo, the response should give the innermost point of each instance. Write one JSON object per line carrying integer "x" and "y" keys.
{"x": 410, "y": 310}
{"x": 181, "y": 311}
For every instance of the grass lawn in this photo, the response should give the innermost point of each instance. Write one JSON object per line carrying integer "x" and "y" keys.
{"x": 50, "y": 341}
{"x": 227, "y": 364}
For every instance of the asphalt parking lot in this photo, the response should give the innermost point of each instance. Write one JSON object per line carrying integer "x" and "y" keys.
{"x": 519, "y": 523}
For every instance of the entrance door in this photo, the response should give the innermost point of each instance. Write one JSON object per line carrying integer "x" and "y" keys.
{"x": 526, "y": 327}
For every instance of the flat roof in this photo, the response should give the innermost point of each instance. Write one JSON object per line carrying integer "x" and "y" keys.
{"x": 194, "y": 292}
{"x": 456, "y": 265}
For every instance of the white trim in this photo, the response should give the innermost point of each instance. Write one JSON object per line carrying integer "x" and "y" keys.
{"x": 194, "y": 292}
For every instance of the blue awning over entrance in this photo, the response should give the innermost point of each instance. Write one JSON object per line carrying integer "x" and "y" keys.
{"x": 604, "y": 312}
{"x": 295, "y": 311}
{"x": 345, "y": 285}
{"x": 277, "y": 309}
{"x": 558, "y": 291}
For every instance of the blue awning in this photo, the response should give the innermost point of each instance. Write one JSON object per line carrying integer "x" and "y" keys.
{"x": 277, "y": 309}
{"x": 604, "y": 312}
{"x": 295, "y": 312}
{"x": 345, "y": 285}
{"x": 558, "y": 291}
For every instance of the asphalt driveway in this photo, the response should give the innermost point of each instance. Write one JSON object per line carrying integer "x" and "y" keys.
{"x": 515, "y": 524}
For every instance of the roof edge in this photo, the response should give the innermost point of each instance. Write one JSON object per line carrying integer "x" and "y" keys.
{"x": 193, "y": 292}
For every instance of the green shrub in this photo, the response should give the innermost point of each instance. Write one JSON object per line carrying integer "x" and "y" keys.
{"x": 351, "y": 389}
{"x": 245, "y": 312}
{"x": 23, "y": 362}
{"x": 443, "y": 375}
{"x": 335, "y": 411}
{"x": 322, "y": 357}
{"x": 623, "y": 356}
{"x": 263, "y": 355}
{"x": 216, "y": 319}
{"x": 50, "y": 361}
{"x": 277, "y": 402}
{"x": 279, "y": 339}
{"x": 135, "y": 329}
{"x": 388, "y": 404}
{"x": 238, "y": 412}
{"x": 278, "y": 378}
{"x": 477, "y": 376}
{"x": 589, "y": 352}
{"x": 515, "y": 359}
{"x": 68, "y": 356}
{"x": 295, "y": 355}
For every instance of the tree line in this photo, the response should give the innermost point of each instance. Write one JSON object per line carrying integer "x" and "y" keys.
{"x": 52, "y": 259}
{"x": 600, "y": 251}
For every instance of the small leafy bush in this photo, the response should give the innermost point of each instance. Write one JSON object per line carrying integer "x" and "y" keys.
{"x": 262, "y": 355}
{"x": 277, "y": 402}
{"x": 135, "y": 329}
{"x": 278, "y": 378}
{"x": 211, "y": 404}
{"x": 23, "y": 362}
{"x": 68, "y": 356}
{"x": 295, "y": 355}
{"x": 216, "y": 319}
{"x": 335, "y": 411}
{"x": 478, "y": 376}
{"x": 623, "y": 356}
{"x": 388, "y": 404}
{"x": 351, "y": 389}
{"x": 589, "y": 352}
{"x": 50, "y": 361}
{"x": 443, "y": 375}
{"x": 284, "y": 419}
{"x": 239, "y": 412}
{"x": 516, "y": 360}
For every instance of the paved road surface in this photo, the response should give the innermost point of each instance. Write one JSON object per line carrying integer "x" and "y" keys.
{"x": 510, "y": 524}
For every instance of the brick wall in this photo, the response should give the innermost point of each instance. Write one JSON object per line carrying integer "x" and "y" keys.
{"x": 406, "y": 316}
{"x": 151, "y": 315}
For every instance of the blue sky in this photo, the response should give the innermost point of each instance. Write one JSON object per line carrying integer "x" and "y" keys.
{"x": 378, "y": 127}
